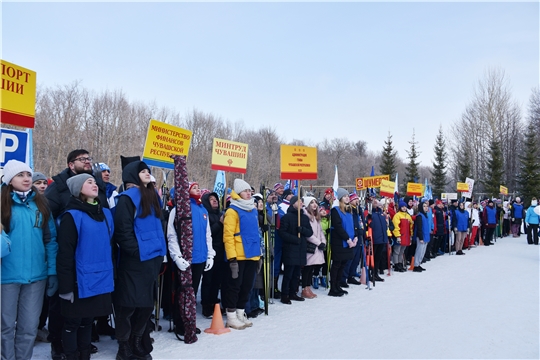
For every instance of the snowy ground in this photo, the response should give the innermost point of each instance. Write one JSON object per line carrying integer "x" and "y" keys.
{"x": 483, "y": 305}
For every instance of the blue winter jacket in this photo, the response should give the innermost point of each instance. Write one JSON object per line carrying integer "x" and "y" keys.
{"x": 32, "y": 255}
{"x": 379, "y": 228}
{"x": 531, "y": 217}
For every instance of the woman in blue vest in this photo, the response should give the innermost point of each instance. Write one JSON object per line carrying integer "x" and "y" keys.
{"x": 342, "y": 240}
{"x": 423, "y": 231}
{"x": 461, "y": 227}
{"x": 203, "y": 252}
{"x": 517, "y": 213}
{"x": 489, "y": 220}
{"x": 84, "y": 264}
{"x": 28, "y": 259}
{"x": 139, "y": 235}
{"x": 243, "y": 251}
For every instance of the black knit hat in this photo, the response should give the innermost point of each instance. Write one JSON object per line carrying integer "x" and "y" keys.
{"x": 130, "y": 174}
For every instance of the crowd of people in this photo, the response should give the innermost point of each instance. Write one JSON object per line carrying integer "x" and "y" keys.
{"x": 75, "y": 249}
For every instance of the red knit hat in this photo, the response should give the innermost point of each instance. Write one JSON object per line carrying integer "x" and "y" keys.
{"x": 328, "y": 191}
{"x": 353, "y": 196}
{"x": 191, "y": 184}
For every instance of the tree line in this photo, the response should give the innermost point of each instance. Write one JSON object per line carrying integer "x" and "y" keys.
{"x": 490, "y": 142}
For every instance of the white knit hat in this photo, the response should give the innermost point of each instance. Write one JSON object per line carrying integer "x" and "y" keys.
{"x": 307, "y": 200}
{"x": 12, "y": 168}
{"x": 240, "y": 185}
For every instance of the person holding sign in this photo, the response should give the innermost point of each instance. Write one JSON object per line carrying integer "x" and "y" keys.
{"x": 243, "y": 252}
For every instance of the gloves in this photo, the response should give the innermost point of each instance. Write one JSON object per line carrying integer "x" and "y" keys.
{"x": 322, "y": 246}
{"x": 181, "y": 263}
{"x": 513, "y": 219}
{"x": 259, "y": 265}
{"x": 234, "y": 269}
{"x": 350, "y": 242}
{"x": 209, "y": 264}
{"x": 299, "y": 230}
{"x": 455, "y": 229}
{"x": 398, "y": 240}
{"x": 264, "y": 227}
{"x": 52, "y": 285}
{"x": 69, "y": 297}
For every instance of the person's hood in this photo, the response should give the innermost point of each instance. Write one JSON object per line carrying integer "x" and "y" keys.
{"x": 206, "y": 202}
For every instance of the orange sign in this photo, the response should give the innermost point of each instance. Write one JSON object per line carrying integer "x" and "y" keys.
{"x": 18, "y": 95}
{"x": 503, "y": 190}
{"x": 229, "y": 156}
{"x": 387, "y": 188}
{"x": 415, "y": 189}
{"x": 298, "y": 162}
{"x": 370, "y": 181}
{"x": 462, "y": 186}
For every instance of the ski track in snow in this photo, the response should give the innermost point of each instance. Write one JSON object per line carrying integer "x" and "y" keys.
{"x": 484, "y": 305}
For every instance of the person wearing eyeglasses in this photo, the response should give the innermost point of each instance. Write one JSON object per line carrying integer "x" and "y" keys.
{"x": 58, "y": 195}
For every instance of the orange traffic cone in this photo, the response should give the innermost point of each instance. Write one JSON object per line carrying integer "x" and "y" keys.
{"x": 217, "y": 327}
{"x": 412, "y": 264}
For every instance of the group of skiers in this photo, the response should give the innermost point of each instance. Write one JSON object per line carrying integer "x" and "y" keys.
{"x": 76, "y": 249}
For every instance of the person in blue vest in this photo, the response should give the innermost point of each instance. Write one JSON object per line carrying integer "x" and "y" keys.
{"x": 517, "y": 213}
{"x": 461, "y": 227}
{"x": 28, "y": 259}
{"x": 342, "y": 241}
{"x": 532, "y": 219}
{"x": 423, "y": 232}
{"x": 84, "y": 265}
{"x": 202, "y": 254}
{"x": 110, "y": 189}
{"x": 489, "y": 219}
{"x": 138, "y": 233}
{"x": 379, "y": 232}
{"x": 243, "y": 251}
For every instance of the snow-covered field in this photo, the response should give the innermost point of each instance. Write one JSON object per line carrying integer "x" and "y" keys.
{"x": 482, "y": 305}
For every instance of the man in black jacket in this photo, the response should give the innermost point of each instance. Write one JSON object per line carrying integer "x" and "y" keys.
{"x": 58, "y": 195}
{"x": 294, "y": 249}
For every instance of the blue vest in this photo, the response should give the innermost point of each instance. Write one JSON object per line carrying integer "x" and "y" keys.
{"x": 518, "y": 211}
{"x": 426, "y": 227}
{"x": 347, "y": 223}
{"x": 199, "y": 221}
{"x": 93, "y": 255}
{"x": 148, "y": 230}
{"x": 462, "y": 220}
{"x": 249, "y": 231}
{"x": 491, "y": 215}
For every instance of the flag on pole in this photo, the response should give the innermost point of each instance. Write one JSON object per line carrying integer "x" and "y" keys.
{"x": 335, "y": 187}
{"x": 219, "y": 185}
{"x": 294, "y": 187}
{"x": 396, "y": 190}
{"x": 287, "y": 185}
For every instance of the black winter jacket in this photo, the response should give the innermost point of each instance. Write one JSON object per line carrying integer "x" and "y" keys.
{"x": 294, "y": 247}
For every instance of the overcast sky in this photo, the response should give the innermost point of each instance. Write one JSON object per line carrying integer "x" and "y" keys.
{"x": 310, "y": 70}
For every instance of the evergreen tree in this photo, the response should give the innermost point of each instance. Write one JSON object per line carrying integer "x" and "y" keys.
{"x": 438, "y": 174}
{"x": 528, "y": 179}
{"x": 494, "y": 168}
{"x": 411, "y": 170}
{"x": 463, "y": 164}
{"x": 388, "y": 164}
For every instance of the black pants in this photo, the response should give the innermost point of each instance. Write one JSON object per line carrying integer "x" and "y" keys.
{"x": 76, "y": 335}
{"x": 489, "y": 235}
{"x": 532, "y": 234}
{"x": 212, "y": 280}
{"x": 56, "y": 320}
{"x": 336, "y": 272}
{"x": 291, "y": 275}
{"x": 378, "y": 256}
{"x": 307, "y": 274}
{"x": 237, "y": 293}
{"x": 131, "y": 321}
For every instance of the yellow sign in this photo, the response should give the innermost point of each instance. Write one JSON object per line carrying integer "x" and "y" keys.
{"x": 229, "y": 156}
{"x": 18, "y": 95}
{"x": 164, "y": 140}
{"x": 298, "y": 162}
{"x": 503, "y": 190}
{"x": 415, "y": 189}
{"x": 370, "y": 181}
{"x": 462, "y": 186}
{"x": 387, "y": 188}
